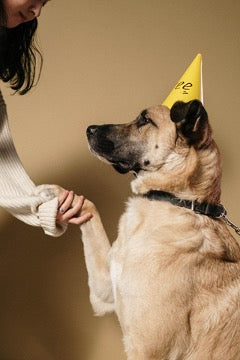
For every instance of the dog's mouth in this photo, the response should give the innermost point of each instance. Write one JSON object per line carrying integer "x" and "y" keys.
{"x": 114, "y": 153}
{"x": 120, "y": 165}
{"x": 124, "y": 164}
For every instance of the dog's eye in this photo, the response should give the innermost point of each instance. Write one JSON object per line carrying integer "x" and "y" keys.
{"x": 143, "y": 120}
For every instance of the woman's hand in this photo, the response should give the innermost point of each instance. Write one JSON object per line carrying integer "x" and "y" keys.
{"x": 69, "y": 208}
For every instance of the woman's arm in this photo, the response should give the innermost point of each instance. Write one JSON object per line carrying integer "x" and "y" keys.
{"x": 34, "y": 205}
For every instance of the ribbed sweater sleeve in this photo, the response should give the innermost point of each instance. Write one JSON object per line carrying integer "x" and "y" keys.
{"x": 34, "y": 205}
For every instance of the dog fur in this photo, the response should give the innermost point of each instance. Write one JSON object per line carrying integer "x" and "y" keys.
{"x": 172, "y": 276}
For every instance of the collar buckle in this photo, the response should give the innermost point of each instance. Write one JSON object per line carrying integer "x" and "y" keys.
{"x": 193, "y": 205}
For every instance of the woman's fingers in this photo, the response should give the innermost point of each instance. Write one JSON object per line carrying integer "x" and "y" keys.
{"x": 62, "y": 197}
{"x": 70, "y": 206}
{"x": 72, "y": 211}
{"x": 67, "y": 202}
{"x": 80, "y": 219}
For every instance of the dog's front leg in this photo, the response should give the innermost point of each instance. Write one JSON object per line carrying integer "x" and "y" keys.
{"x": 96, "y": 251}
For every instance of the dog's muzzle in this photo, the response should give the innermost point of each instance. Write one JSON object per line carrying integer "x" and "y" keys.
{"x": 116, "y": 153}
{"x": 98, "y": 140}
{"x": 91, "y": 130}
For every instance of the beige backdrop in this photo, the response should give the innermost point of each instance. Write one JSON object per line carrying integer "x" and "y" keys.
{"x": 104, "y": 61}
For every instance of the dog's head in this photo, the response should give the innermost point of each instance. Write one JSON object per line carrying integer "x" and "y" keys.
{"x": 149, "y": 141}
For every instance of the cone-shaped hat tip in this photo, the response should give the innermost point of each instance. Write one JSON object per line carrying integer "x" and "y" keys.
{"x": 189, "y": 86}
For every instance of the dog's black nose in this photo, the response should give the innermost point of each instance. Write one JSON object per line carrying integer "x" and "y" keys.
{"x": 91, "y": 130}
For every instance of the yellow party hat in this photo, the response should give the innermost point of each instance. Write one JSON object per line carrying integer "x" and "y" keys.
{"x": 189, "y": 86}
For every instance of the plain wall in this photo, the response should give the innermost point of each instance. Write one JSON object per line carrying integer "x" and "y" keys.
{"x": 104, "y": 61}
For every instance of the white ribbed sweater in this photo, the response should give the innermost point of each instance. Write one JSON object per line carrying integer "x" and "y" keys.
{"x": 35, "y": 205}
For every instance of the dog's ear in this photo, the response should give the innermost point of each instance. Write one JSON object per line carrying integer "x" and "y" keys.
{"x": 192, "y": 121}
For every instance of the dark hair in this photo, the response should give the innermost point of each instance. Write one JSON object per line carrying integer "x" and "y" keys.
{"x": 18, "y": 54}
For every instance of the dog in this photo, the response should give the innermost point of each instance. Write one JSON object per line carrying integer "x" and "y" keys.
{"x": 173, "y": 274}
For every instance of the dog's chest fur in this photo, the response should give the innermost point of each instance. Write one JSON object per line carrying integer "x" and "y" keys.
{"x": 144, "y": 241}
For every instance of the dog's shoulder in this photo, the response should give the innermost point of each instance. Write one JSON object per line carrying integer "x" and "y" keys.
{"x": 167, "y": 225}
{"x": 146, "y": 222}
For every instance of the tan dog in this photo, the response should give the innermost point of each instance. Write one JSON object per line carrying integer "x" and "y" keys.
{"x": 173, "y": 274}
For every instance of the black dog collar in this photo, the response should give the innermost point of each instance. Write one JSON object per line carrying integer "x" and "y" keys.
{"x": 215, "y": 211}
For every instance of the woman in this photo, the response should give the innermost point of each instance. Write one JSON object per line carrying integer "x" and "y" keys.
{"x": 35, "y": 205}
